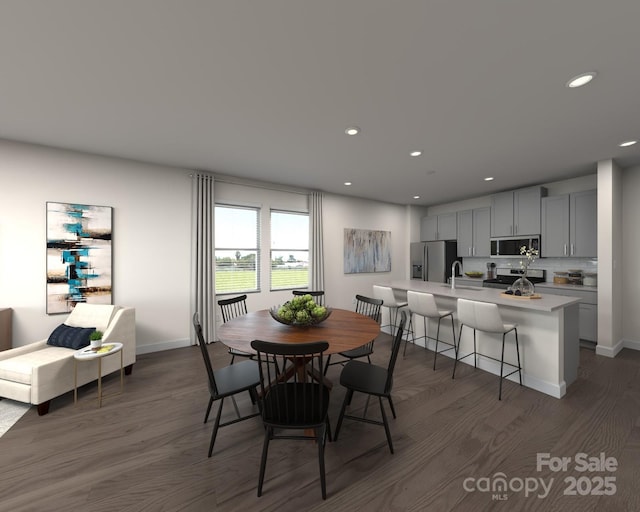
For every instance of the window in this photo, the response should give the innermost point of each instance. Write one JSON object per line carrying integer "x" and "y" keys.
{"x": 289, "y": 250}
{"x": 237, "y": 241}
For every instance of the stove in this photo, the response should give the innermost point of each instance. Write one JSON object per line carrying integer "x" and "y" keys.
{"x": 505, "y": 277}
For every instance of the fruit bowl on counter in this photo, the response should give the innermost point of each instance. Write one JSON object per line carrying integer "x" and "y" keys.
{"x": 474, "y": 274}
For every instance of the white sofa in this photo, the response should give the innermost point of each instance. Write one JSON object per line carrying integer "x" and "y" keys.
{"x": 38, "y": 372}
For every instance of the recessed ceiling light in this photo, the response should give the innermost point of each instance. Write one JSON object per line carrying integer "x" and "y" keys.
{"x": 347, "y": 183}
{"x": 415, "y": 153}
{"x": 489, "y": 178}
{"x": 416, "y": 197}
{"x": 628, "y": 143}
{"x": 352, "y": 130}
{"x": 580, "y": 80}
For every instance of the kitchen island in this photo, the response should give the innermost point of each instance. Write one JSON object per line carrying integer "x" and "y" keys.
{"x": 547, "y": 332}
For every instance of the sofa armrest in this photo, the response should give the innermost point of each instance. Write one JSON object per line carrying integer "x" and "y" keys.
{"x": 122, "y": 328}
{"x": 25, "y": 349}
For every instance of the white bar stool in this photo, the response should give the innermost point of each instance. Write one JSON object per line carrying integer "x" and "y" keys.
{"x": 483, "y": 316}
{"x": 424, "y": 305}
{"x": 385, "y": 293}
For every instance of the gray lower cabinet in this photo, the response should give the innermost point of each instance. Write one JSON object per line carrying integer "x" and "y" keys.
{"x": 588, "y": 307}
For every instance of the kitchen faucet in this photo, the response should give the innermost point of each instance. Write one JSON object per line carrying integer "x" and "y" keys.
{"x": 453, "y": 273}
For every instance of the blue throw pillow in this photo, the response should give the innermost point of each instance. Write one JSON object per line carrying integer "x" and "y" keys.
{"x": 70, "y": 337}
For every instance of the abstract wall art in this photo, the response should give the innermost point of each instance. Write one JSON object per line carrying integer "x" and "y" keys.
{"x": 78, "y": 255}
{"x": 366, "y": 251}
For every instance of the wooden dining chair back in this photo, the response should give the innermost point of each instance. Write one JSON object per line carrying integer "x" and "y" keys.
{"x": 230, "y": 309}
{"x": 318, "y": 295}
{"x": 233, "y": 307}
{"x": 226, "y": 382}
{"x": 366, "y": 306}
{"x": 372, "y": 380}
{"x": 293, "y": 396}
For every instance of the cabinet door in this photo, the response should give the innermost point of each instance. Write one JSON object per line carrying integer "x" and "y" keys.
{"x": 502, "y": 214}
{"x": 584, "y": 224}
{"x": 447, "y": 226}
{"x": 526, "y": 211}
{"x": 481, "y": 232}
{"x": 465, "y": 233}
{"x": 588, "y": 319}
{"x": 429, "y": 228}
{"x": 555, "y": 226}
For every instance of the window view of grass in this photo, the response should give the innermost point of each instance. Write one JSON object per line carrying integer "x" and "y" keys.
{"x": 245, "y": 280}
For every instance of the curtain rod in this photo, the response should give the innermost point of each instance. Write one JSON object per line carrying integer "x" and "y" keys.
{"x": 232, "y": 180}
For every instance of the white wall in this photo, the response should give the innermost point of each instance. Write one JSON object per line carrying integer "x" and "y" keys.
{"x": 151, "y": 236}
{"x": 340, "y": 213}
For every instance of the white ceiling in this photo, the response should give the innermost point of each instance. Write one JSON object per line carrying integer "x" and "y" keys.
{"x": 265, "y": 89}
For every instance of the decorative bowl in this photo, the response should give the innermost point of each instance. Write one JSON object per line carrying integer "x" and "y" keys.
{"x": 310, "y": 315}
{"x": 474, "y": 274}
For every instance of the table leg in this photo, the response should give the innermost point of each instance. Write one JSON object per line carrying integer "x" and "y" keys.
{"x": 75, "y": 381}
{"x": 99, "y": 382}
{"x": 121, "y": 372}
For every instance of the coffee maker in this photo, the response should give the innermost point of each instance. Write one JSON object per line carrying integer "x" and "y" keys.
{"x": 491, "y": 270}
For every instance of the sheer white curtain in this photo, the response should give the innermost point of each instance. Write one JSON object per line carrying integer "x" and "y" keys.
{"x": 203, "y": 261}
{"x": 316, "y": 251}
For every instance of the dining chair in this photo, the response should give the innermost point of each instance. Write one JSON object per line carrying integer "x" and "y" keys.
{"x": 318, "y": 295}
{"x": 485, "y": 317}
{"x": 366, "y": 306}
{"x": 371, "y": 380}
{"x": 226, "y": 382}
{"x": 424, "y": 305}
{"x": 292, "y": 398}
{"x": 232, "y": 308}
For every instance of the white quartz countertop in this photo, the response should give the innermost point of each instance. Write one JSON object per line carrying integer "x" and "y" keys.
{"x": 546, "y": 302}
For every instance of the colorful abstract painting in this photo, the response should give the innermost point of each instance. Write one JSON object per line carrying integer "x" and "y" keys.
{"x": 366, "y": 251}
{"x": 78, "y": 255}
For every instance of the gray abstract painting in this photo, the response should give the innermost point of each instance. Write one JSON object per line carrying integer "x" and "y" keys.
{"x": 366, "y": 251}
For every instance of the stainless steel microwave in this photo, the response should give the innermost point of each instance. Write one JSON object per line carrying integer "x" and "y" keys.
{"x": 510, "y": 247}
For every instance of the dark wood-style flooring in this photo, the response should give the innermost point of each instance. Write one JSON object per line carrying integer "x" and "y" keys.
{"x": 146, "y": 450}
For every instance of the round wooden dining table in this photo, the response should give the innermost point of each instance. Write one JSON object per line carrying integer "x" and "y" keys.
{"x": 343, "y": 330}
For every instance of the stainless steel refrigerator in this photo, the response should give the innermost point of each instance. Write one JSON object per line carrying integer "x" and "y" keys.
{"x": 431, "y": 261}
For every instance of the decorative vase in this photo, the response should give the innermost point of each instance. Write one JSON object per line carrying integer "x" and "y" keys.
{"x": 524, "y": 286}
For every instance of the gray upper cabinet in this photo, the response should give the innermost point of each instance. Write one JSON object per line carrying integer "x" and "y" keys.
{"x": 555, "y": 226}
{"x": 516, "y": 212}
{"x": 583, "y": 222}
{"x": 438, "y": 227}
{"x": 570, "y": 225}
{"x": 474, "y": 232}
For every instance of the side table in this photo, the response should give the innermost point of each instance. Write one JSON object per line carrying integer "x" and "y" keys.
{"x": 89, "y": 354}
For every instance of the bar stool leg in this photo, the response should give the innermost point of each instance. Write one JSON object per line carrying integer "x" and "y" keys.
{"x": 475, "y": 351}
{"x": 518, "y": 354}
{"x": 501, "y": 367}
{"x": 455, "y": 363}
{"x": 435, "y": 355}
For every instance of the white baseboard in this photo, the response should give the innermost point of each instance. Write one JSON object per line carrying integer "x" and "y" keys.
{"x": 632, "y": 344}
{"x": 489, "y": 365}
{"x": 601, "y": 350}
{"x": 161, "y": 346}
